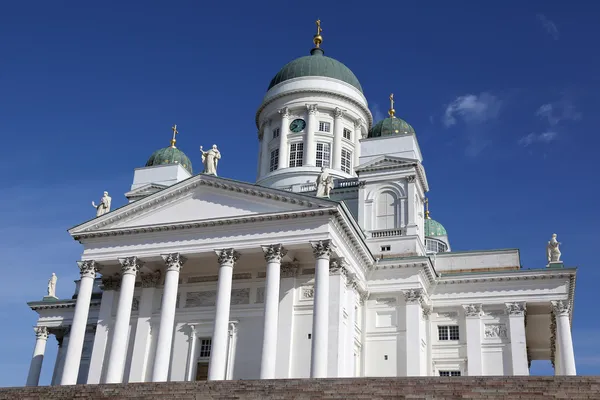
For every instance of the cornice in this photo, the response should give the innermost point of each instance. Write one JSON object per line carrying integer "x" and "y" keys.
{"x": 387, "y": 162}
{"x": 426, "y": 267}
{"x": 47, "y": 305}
{"x": 509, "y": 276}
{"x": 325, "y": 93}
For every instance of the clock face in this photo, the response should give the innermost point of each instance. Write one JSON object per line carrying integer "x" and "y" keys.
{"x": 297, "y": 125}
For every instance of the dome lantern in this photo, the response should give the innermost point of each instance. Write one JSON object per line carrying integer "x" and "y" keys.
{"x": 170, "y": 155}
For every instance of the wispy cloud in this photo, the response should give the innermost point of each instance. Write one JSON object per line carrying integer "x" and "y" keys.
{"x": 472, "y": 109}
{"x": 545, "y": 137}
{"x": 555, "y": 113}
{"x": 549, "y": 26}
{"x": 378, "y": 115}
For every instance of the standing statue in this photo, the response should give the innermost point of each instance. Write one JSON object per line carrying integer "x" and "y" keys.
{"x": 324, "y": 183}
{"x": 52, "y": 285}
{"x": 104, "y": 205}
{"x": 552, "y": 250}
{"x": 210, "y": 159}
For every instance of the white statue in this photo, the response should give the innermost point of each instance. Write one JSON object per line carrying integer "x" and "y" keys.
{"x": 324, "y": 183}
{"x": 52, "y": 285}
{"x": 552, "y": 250}
{"x": 104, "y": 205}
{"x": 210, "y": 159}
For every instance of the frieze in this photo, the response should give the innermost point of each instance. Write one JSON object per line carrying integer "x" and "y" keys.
{"x": 386, "y": 300}
{"x": 242, "y": 275}
{"x": 111, "y": 282}
{"x": 307, "y": 292}
{"x": 260, "y": 295}
{"x": 200, "y": 299}
{"x": 492, "y": 331}
{"x": 240, "y": 296}
{"x": 206, "y": 278}
{"x": 472, "y": 310}
{"x": 289, "y": 270}
{"x": 449, "y": 314}
{"x": 150, "y": 279}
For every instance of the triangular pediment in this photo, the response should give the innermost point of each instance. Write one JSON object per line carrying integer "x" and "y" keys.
{"x": 387, "y": 162}
{"x": 202, "y": 198}
{"x": 144, "y": 191}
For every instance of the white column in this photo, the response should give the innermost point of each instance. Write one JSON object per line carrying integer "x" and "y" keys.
{"x": 428, "y": 370}
{"x": 265, "y": 156}
{"x": 285, "y": 330}
{"x": 218, "y": 352}
{"x": 357, "y": 136}
{"x": 88, "y": 271}
{"x": 338, "y": 133}
{"x": 411, "y": 226}
{"x": 336, "y": 340}
{"x": 561, "y": 310}
{"x": 414, "y": 355}
{"x": 62, "y": 337}
{"x": 310, "y": 155}
{"x": 518, "y": 340}
{"x": 473, "y": 324}
{"x": 118, "y": 349}
{"x": 349, "y": 360}
{"x": 322, "y": 250}
{"x": 283, "y": 138}
{"x": 35, "y": 368}
{"x": 189, "y": 374}
{"x": 141, "y": 343}
{"x": 110, "y": 284}
{"x": 162, "y": 358}
{"x": 273, "y": 256}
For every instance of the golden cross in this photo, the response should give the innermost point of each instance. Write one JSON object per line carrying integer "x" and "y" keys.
{"x": 319, "y": 30}
{"x": 392, "y": 112}
{"x": 175, "y": 132}
{"x": 427, "y": 208}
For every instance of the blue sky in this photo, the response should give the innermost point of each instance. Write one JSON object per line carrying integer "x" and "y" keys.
{"x": 503, "y": 97}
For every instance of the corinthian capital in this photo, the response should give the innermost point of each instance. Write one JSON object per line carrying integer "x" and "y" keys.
{"x": 274, "y": 252}
{"x": 150, "y": 279}
{"x": 312, "y": 109}
{"x": 174, "y": 261}
{"x": 41, "y": 332}
{"x": 87, "y": 268}
{"x": 338, "y": 266}
{"x": 322, "y": 248}
{"x": 227, "y": 256}
{"x": 413, "y": 296}
{"x": 130, "y": 265}
{"x": 472, "y": 310}
{"x": 561, "y": 307}
{"x": 515, "y": 309}
{"x": 338, "y": 112}
{"x": 285, "y": 112}
{"x": 265, "y": 124}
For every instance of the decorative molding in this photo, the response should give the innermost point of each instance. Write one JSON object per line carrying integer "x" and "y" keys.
{"x": 449, "y": 314}
{"x": 260, "y": 295}
{"x": 88, "y": 268}
{"x": 515, "y": 309}
{"x": 495, "y": 313}
{"x": 150, "y": 279}
{"x": 312, "y": 109}
{"x": 241, "y": 275}
{"x": 111, "y": 282}
{"x": 289, "y": 270}
{"x": 363, "y": 297}
{"x": 240, "y": 296}
{"x": 322, "y": 248}
{"x": 561, "y": 307}
{"x": 200, "y": 299}
{"x": 427, "y": 309}
{"x": 411, "y": 178}
{"x": 227, "y": 256}
{"x": 414, "y": 296}
{"x": 338, "y": 112}
{"x": 274, "y": 252}
{"x": 174, "y": 261}
{"x": 48, "y": 305}
{"x": 307, "y": 292}
{"x": 473, "y": 310}
{"x": 492, "y": 331}
{"x": 338, "y": 266}
{"x": 386, "y": 300}
{"x": 41, "y": 332}
{"x": 130, "y": 265}
{"x": 204, "y": 278}
{"x": 284, "y": 112}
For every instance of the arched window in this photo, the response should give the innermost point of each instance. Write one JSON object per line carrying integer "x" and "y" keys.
{"x": 386, "y": 215}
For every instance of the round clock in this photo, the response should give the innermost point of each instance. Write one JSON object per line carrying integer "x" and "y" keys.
{"x": 297, "y": 125}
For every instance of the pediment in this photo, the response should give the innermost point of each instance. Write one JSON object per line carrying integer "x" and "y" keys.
{"x": 144, "y": 190}
{"x": 387, "y": 162}
{"x": 202, "y": 198}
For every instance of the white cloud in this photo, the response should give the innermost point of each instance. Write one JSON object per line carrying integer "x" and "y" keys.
{"x": 472, "y": 109}
{"x": 549, "y": 26}
{"x": 555, "y": 113}
{"x": 378, "y": 115}
{"x": 545, "y": 137}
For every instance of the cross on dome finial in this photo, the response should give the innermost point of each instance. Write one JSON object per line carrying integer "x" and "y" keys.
{"x": 318, "y": 39}
{"x": 175, "y": 132}
{"x": 392, "y": 112}
{"x": 427, "y": 209}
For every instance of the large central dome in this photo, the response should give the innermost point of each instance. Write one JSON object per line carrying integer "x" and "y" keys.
{"x": 316, "y": 64}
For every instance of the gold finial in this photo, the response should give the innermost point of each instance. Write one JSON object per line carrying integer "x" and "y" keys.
{"x": 427, "y": 209}
{"x": 318, "y": 39}
{"x": 392, "y": 112}
{"x": 175, "y": 132}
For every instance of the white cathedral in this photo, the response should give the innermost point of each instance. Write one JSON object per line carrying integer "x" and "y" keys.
{"x": 328, "y": 266}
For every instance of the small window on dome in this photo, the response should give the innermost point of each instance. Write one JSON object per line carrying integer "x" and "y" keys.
{"x": 274, "y": 160}
{"x": 276, "y": 133}
{"x": 347, "y": 134}
{"x": 324, "y": 126}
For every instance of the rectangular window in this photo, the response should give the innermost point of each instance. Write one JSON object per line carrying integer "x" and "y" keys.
{"x": 347, "y": 134}
{"x": 449, "y": 373}
{"x": 386, "y": 248}
{"x": 275, "y": 133}
{"x": 346, "y": 164}
{"x": 274, "y": 160}
{"x": 324, "y": 126}
{"x": 448, "y": 332}
{"x": 323, "y": 155}
{"x": 296, "y": 153}
{"x": 205, "y": 346}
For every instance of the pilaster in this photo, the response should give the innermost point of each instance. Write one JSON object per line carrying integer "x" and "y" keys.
{"x": 415, "y": 359}
{"x": 283, "y": 138}
{"x": 338, "y": 132}
{"x": 473, "y": 326}
{"x": 518, "y": 340}
{"x": 310, "y": 155}
{"x": 337, "y": 334}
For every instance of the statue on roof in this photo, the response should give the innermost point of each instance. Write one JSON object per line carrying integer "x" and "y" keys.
{"x": 104, "y": 205}
{"x": 52, "y": 285}
{"x": 324, "y": 183}
{"x": 552, "y": 249}
{"x": 210, "y": 159}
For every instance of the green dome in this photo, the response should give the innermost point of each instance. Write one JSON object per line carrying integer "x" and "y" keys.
{"x": 434, "y": 228}
{"x": 315, "y": 65}
{"x": 391, "y": 126}
{"x": 170, "y": 155}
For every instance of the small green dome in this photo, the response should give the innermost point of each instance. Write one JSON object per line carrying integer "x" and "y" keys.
{"x": 315, "y": 65}
{"x": 391, "y": 126}
{"x": 170, "y": 155}
{"x": 434, "y": 228}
